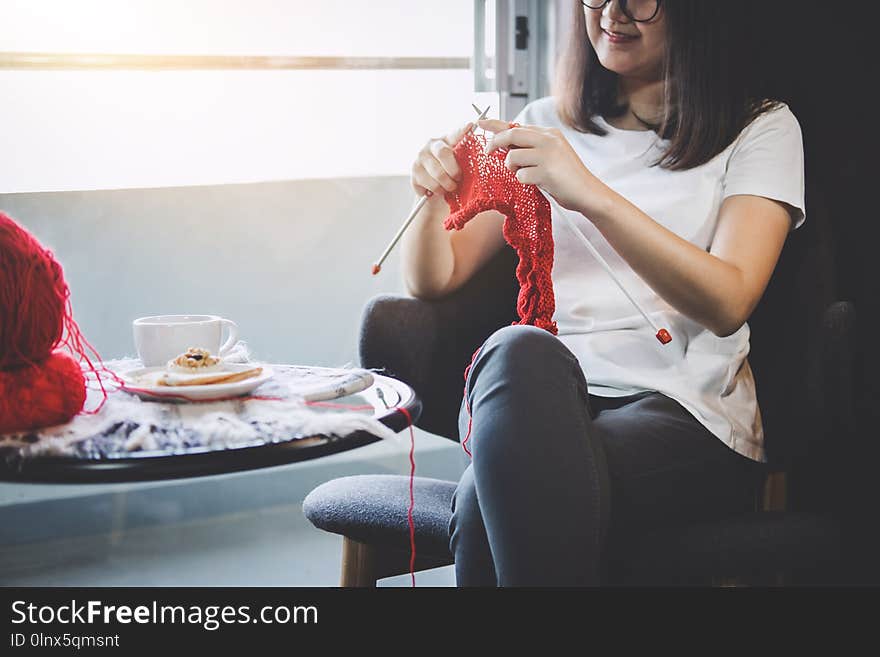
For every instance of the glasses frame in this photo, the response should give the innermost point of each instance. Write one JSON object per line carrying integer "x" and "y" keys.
{"x": 625, "y": 9}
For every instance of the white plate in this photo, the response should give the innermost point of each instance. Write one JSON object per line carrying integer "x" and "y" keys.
{"x": 142, "y": 382}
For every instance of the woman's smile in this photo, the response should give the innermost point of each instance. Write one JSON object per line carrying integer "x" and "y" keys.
{"x": 619, "y": 37}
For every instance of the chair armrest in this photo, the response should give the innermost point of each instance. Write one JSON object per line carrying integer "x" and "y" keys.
{"x": 429, "y": 343}
{"x": 399, "y": 335}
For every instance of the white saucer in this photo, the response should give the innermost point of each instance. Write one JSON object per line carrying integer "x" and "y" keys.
{"x": 142, "y": 382}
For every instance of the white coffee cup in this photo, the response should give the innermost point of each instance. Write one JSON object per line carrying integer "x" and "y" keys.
{"x": 160, "y": 338}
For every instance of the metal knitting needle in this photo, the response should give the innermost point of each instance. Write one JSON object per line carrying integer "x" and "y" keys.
{"x": 661, "y": 333}
{"x": 377, "y": 267}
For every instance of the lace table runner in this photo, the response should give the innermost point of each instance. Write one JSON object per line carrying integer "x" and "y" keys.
{"x": 287, "y": 407}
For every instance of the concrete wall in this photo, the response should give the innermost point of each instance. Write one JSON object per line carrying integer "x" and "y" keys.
{"x": 288, "y": 261}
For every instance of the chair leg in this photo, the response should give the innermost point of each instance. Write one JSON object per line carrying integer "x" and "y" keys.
{"x": 769, "y": 497}
{"x": 775, "y": 490}
{"x": 364, "y": 564}
{"x": 359, "y": 564}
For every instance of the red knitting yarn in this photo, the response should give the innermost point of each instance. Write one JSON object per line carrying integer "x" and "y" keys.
{"x": 37, "y": 396}
{"x": 32, "y": 298}
{"x": 487, "y": 184}
{"x": 39, "y": 386}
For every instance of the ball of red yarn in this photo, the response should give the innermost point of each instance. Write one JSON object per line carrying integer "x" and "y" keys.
{"x": 33, "y": 298}
{"x": 41, "y": 395}
{"x": 40, "y": 385}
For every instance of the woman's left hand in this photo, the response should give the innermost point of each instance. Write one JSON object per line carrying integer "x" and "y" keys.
{"x": 543, "y": 157}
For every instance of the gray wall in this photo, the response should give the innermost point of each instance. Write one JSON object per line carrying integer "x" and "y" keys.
{"x": 288, "y": 261}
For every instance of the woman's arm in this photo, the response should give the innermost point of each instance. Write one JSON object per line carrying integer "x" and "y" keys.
{"x": 718, "y": 289}
{"x": 436, "y": 261}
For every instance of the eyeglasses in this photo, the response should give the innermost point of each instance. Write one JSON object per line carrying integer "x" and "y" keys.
{"x": 638, "y": 11}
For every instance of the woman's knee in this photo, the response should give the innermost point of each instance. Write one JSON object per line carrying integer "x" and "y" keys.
{"x": 525, "y": 348}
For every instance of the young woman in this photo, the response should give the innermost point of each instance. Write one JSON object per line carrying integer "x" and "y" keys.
{"x": 688, "y": 185}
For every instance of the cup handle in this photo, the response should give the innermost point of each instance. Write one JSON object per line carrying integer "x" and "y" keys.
{"x": 232, "y": 339}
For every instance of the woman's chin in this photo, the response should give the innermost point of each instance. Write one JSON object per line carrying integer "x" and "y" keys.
{"x": 621, "y": 64}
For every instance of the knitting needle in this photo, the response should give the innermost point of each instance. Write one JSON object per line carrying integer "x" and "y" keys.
{"x": 377, "y": 267}
{"x": 660, "y": 333}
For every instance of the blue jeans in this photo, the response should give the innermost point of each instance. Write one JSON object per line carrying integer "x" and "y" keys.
{"x": 558, "y": 475}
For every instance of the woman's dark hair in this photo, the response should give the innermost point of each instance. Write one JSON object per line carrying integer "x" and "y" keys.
{"x": 710, "y": 91}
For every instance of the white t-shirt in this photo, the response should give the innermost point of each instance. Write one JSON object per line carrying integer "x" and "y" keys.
{"x": 616, "y": 347}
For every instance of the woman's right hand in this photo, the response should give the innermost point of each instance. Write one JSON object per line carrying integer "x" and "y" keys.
{"x": 435, "y": 169}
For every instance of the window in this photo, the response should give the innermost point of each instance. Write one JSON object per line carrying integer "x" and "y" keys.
{"x": 102, "y": 94}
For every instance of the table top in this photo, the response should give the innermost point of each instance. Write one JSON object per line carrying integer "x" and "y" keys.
{"x": 388, "y": 395}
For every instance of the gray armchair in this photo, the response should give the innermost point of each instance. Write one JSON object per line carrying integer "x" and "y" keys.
{"x": 802, "y": 357}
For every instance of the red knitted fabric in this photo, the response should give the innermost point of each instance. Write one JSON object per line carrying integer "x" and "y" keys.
{"x": 487, "y": 184}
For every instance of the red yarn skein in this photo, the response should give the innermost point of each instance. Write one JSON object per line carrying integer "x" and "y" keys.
{"x": 40, "y": 386}
{"x": 41, "y": 395}
{"x": 32, "y": 298}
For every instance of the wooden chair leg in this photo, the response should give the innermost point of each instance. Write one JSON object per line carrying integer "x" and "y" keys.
{"x": 359, "y": 564}
{"x": 769, "y": 497}
{"x": 364, "y": 564}
{"x": 775, "y": 490}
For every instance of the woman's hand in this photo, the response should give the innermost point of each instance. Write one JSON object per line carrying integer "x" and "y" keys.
{"x": 543, "y": 157}
{"x": 436, "y": 170}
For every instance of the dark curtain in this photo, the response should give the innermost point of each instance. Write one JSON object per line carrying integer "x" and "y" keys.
{"x": 821, "y": 58}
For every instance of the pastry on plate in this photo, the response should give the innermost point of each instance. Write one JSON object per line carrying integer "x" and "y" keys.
{"x": 197, "y": 367}
{"x": 168, "y": 379}
{"x": 194, "y": 361}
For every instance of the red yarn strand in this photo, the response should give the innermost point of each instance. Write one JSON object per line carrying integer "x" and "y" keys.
{"x": 412, "y": 502}
{"x": 77, "y": 344}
